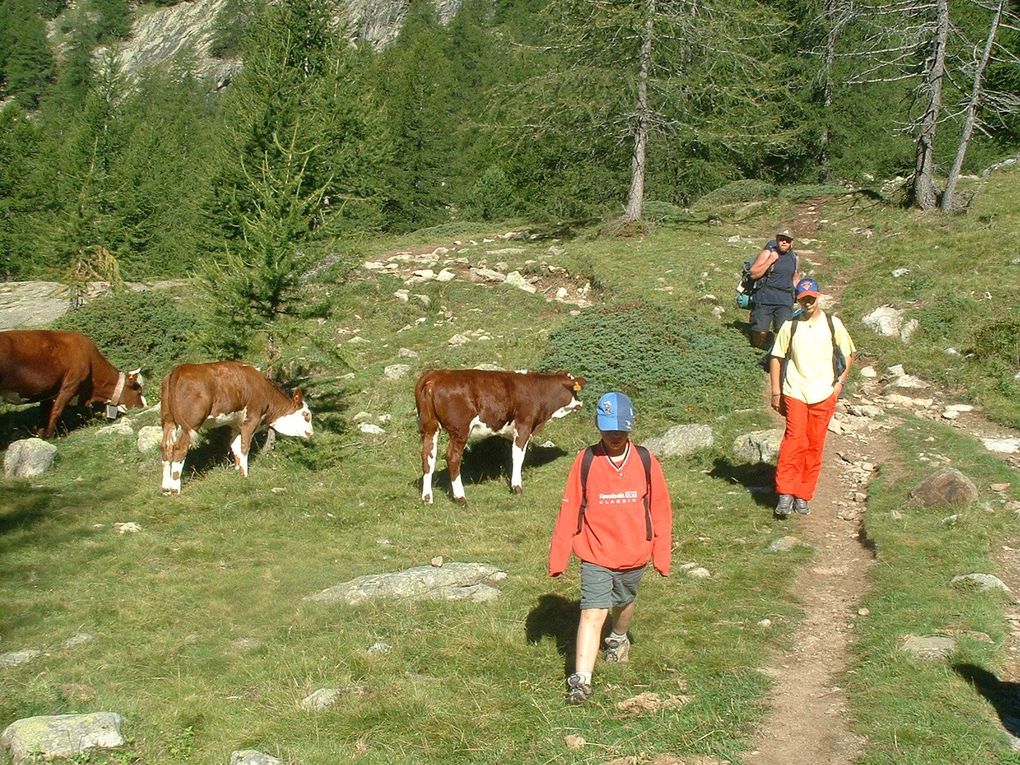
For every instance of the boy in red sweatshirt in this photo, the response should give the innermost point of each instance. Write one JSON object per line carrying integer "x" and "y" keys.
{"x": 615, "y": 525}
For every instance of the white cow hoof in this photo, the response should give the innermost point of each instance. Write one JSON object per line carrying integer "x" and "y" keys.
{"x": 426, "y": 498}
{"x": 517, "y": 489}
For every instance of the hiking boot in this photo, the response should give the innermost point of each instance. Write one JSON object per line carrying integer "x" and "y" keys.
{"x": 784, "y": 505}
{"x": 801, "y": 506}
{"x": 616, "y": 650}
{"x": 577, "y": 691}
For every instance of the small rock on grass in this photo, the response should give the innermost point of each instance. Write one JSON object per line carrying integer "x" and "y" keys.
{"x": 650, "y": 702}
{"x": 252, "y": 757}
{"x": 574, "y": 742}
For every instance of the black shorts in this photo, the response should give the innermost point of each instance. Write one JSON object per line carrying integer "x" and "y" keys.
{"x": 765, "y": 317}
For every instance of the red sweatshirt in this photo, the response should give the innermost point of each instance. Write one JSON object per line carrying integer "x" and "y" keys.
{"x": 613, "y": 534}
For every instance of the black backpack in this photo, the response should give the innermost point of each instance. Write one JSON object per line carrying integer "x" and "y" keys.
{"x": 646, "y": 460}
{"x": 838, "y": 359}
{"x": 748, "y": 286}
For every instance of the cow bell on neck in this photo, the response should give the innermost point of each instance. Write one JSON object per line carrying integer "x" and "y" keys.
{"x": 111, "y": 412}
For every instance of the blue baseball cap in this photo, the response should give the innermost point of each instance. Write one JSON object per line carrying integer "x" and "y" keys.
{"x": 614, "y": 411}
{"x": 807, "y": 287}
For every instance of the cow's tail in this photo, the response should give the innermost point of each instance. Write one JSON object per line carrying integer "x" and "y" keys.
{"x": 425, "y": 405}
{"x": 166, "y": 415}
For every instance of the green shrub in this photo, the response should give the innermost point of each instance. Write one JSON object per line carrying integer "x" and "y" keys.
{"x": 946, "y": 316}
{"x": 998, "y": 343}
{"x": 746, "y": 190}
{"x": 132, "y": 329}
{"x": 676, "y": 367}
{"x": 492, "y": 196}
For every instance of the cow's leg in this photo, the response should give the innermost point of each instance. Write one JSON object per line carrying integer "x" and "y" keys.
{"x": 167, "y": 448}
{"x": 454, "y": 452}
{"x": 179, "y": 450}
{"x": 241, "y": 445}
{"x": 429, "y": 454}
{"x": 518, "y": 450}
{"x": 66, "y": 393}
{"x": 45, "y": 410}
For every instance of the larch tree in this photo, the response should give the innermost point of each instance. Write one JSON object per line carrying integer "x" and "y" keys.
{"x": 675, "y": 71}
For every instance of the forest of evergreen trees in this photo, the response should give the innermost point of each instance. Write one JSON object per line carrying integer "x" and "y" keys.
{"x": 514, "y": 108}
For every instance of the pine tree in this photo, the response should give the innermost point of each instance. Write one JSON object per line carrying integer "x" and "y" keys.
{"x": 416, "y": 90}
{"x": 296, "y": 168}
{"x": 25, "y": 56}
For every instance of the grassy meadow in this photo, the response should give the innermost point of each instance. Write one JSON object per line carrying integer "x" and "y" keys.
{"x": 203, "y": 639}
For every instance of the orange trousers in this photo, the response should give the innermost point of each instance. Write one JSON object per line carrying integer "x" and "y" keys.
{"x": 800, "y": 453}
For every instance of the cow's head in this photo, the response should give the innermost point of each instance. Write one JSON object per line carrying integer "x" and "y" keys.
{"x": 131, "y": 396}
{"x": 571, "y": 387}
{"x": 297, "y": 422}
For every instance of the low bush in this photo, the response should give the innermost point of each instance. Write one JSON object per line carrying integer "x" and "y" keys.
{"x": 132, "y": 329}
{"x": 736, "y": 192}
{"x": 676, "y": 367}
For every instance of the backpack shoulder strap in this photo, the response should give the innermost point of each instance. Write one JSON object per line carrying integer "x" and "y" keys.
{"x": 835, "y": 349}
{"x": 586, "y": 460}
{"x": 646, "y": 460}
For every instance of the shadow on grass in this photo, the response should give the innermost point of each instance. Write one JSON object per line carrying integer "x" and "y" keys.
{"x": 1003, "y": 695}
{"x": 24, "y": 422}
{"x": 489, "y": 459}
{"x": 556, "y": 617}
{"x": 759, "y": 480}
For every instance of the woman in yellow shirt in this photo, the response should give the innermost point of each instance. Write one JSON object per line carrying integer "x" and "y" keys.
{"x": 805, "y": 392}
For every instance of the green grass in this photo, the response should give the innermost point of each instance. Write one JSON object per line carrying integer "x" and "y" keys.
{"x": 232, "y": 560}
{"x": 912, "y": 710}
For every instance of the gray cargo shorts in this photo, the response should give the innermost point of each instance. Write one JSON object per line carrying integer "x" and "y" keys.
{"x": 607, "y": 588}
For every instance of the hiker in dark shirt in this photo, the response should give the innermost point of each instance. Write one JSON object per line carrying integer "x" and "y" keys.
{"x": 778, "y": 267}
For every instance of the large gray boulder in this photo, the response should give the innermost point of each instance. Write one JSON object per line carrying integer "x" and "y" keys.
{"x": 759, "y": 446}
{"x": 28, "y": 457}
{"x": 51, "y": 736}
{"x": 451, "y": 581}
{"x": 948, "y": 486}
{"x": 681, "y": 440}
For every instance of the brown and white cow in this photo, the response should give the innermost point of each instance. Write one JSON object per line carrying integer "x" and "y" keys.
{"x": 54, "y": 368}
{"x": 475, "y": 402}
{"x": 223, "y": 393}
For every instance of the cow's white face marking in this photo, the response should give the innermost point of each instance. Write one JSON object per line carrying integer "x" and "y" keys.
{"x": 298, "y": 423}
{"x": 574, "y": 405}
{"x": 478, "y": 429}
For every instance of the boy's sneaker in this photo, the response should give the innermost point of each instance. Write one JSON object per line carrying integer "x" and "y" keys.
{"x": 801, "y": 506}
{"x": 784, "y": 506}
{"x": 616, "y": 650}
{"x": 577, "y": 691}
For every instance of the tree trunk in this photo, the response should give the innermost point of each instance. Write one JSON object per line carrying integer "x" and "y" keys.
{"x": 925, "y": 195}
{"x": 972, "y": 107}
{"x": 829, "y": 58}
{"x": 636, "y": 197}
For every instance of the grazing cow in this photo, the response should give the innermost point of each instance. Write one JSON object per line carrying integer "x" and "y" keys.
{"x": 475, "y": 402}
{"x": 50, "y": 367}
{"x": 223, "y": 393}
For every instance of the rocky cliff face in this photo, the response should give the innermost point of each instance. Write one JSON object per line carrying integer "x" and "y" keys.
{"x": 159, "y": 35}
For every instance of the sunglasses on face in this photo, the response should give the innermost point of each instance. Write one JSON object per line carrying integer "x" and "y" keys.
{"x": 807, "y": 300}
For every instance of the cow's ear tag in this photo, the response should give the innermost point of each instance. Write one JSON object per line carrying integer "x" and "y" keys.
{"x": 111, "y": 412}
{"x": 577, "y": 386}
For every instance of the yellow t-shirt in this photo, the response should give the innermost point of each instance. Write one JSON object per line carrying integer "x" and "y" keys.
{"x": 809, "y": 373}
